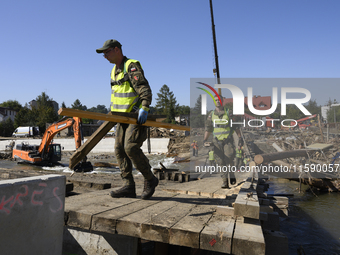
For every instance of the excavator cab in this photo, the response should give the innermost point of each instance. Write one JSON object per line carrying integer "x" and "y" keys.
{"x": 54, "y": 153}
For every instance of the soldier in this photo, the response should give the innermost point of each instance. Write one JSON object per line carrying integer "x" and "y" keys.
{"x": 130, "y": 93}
{"x": 211, "y": 157}
{"x": 224, "y": 149}
{"x": 239, "y": 156}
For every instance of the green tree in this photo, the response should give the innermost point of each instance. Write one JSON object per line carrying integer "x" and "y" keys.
{"x": 12, "y": 104}
{"x": 44, "y": 111}
{"x": 100, "y": 109}
{"x": 25, "y": 117}
{"x": 78, "y": 105}
{"x": 293, "y": 112}
{"x": 166, "y": 103}
{"x": 197, "y": 120}
{"x": 313, "y": 107}
{"x": 7, "y": 128}
{"x": 183, "y": 110}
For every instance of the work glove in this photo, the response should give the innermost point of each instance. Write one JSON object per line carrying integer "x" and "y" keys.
{"x": 142, "y": 115}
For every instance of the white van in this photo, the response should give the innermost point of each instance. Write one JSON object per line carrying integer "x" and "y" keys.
{"x": 25, "y": 131}
{"x": 112, "y": 131}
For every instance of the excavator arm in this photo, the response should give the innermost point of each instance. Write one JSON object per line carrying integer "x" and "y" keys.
{"x": 51, "y": 131}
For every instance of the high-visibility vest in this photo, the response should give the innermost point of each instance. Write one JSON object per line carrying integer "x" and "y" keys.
{"x": 222, "y": 127}
{"x": 238, "y": 153}
{"x": 211, "y": 155}
{"x": 123, "y": 95}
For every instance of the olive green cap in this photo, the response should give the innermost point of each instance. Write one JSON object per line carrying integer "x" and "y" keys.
{"x": 109, "y": 44}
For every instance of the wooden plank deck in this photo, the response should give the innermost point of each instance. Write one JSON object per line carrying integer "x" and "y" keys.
{"x": 167, "y": 217}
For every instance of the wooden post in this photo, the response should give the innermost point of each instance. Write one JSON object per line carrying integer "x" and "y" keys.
{"x": 95, "y": 138}
{"x": 263, "y": 158}
{"x": 320, "y": 128}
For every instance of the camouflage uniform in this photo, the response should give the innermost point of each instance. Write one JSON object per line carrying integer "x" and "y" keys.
{"x": 130, "y": 137}
{"x": 224, "y": 150}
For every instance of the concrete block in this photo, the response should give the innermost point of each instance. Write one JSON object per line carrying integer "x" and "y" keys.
{"x": 83, "y": 242}
{"x": 225, "y": 210}
{"x": 32, "y": 215}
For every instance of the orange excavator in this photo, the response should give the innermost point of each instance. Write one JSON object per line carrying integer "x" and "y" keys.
{"x": 48, "y": 153}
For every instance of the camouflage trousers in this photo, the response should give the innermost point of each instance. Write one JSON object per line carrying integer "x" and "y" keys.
{"x": 129, "y": 139}
{"x": 224, "y": 153}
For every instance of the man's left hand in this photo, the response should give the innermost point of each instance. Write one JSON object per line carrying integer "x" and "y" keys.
{"x": 142, "y": 116}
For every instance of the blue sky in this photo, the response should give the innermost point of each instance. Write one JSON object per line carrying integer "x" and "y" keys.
{"x": 49, "y": 46}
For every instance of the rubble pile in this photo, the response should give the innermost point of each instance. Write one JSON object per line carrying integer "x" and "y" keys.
{"x": 156, "y": 132}
{"x": 318, "y": 169}
{"x": 299, "y": 140}
{"x": 179, "y": 144}
{"x": 6, "y": 155}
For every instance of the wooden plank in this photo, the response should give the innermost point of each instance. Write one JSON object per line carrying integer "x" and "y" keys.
{"x": 106, "y": 221}
{"x": 186, "y": 232}
{"x": 117, "y": 118}
{"x": 264, "y": 158}
{"x": 248, "y": 238}
{"x": 95, "y": 138}
{"x": 79, "y": 209}
{"x": 157, "y": 227}
{"x": 320, "y": 146}
{"x": 131, "y": 225}
{"x": 217, "y": 234}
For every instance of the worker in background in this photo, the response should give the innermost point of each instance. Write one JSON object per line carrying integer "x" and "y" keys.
{"x": 193, "y": 148}
{"x": 239, "y": 156}
{"x": 130, "y": 93}
{"x": 196, "y": 148}
{"x": 211, "y": 157}
{"x": 223, "y": 142}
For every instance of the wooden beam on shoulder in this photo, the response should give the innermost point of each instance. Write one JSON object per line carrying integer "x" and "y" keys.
{"x": 113, "y": 117}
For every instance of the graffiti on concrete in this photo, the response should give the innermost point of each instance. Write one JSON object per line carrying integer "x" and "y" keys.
{"x": 7, "y": 204}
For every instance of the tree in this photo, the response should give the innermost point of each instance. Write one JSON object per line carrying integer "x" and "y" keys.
{"x": 7, "y": 128}
{"x": 77, "y": 105}
{"x": 313, "y": 107}
{"x": 183, "y": 110}
{"x": 196, "y": 118}
{"x": 293, "y": 112}
{"x": 100, "y": 109}
{"x": 25, "y": 117}
{"x": 12, "y": 104}
{"x": 44, "y": 111}
{"x": 166, "y": 103}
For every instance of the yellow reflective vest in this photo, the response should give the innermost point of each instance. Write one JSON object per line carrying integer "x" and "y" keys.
{"x": 222, "y": 126}
{"x": 238, "y": 153}
{"x": 211, "y": 155}
{"x": 123, "y": 95}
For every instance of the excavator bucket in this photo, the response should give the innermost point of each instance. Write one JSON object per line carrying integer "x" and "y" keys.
{"x": 83, "y": 167}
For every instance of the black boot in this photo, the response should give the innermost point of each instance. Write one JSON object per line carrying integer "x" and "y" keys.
{"x": 125, "y": 191}
{"x": 149, "y": 187}
{"x": 225, "y": 184}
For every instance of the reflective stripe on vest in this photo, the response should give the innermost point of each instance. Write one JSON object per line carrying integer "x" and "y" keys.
{"x": 211, "y": 155}
{"x": 221, "y": 129}
{"x": 123, "y": 96}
